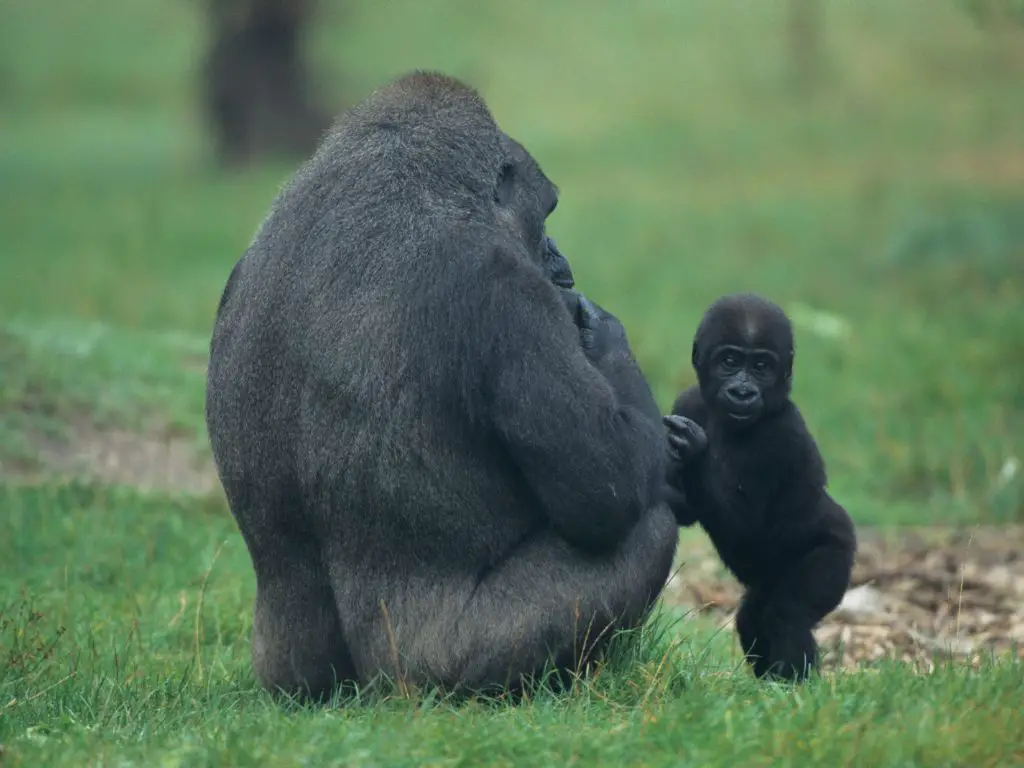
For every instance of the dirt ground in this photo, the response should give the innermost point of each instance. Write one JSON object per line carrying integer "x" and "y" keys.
{"x": 919, "y": 596}
{"x": 154, "y": 461}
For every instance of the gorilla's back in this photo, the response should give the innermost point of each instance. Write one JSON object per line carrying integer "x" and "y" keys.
{"x": 340, "y": 379}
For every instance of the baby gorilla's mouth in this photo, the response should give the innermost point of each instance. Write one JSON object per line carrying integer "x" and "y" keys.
{"x": 742, "y": 415}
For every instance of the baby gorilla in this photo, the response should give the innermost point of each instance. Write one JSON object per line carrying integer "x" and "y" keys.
{"x": 744, "y": 465}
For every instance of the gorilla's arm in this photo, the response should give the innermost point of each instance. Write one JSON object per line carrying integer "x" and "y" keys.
{"x": 606, "y": 345}
{"x": 594, "y": 460}
{"x": 607, "y": 348}
{"x": 687, "y": 443}
{"x": 690, "y": 404}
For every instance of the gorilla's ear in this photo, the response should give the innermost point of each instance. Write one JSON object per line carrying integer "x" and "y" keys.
{"x": 789, "y": 367}
{"x": 505, "y": 187}
{"x": 694, "y": 356}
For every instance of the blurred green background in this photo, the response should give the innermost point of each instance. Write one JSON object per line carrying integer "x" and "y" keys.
{"x": 867, "y": 173}
{"x": 862, "y": 163}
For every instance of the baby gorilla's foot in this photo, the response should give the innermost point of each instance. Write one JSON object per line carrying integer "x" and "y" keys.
{"x": 793, "y": 655}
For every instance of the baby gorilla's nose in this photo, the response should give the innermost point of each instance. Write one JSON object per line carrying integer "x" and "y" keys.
{"x": 742, "y": 393}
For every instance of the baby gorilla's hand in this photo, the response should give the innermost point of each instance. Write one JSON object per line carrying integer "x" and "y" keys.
{"x": 686, "y": 438}
{"x": 686, "y": 441}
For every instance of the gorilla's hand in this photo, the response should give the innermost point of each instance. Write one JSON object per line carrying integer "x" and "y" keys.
{"x": 686, "y": 438}
{"x": 556, "y": 266}
{"x": 604, "y": 343}
{"x": 571, "y": 299}
{"x": 686, "y": 441}
{"x": 679, "y": 503}
{"x": 601, "y": 333}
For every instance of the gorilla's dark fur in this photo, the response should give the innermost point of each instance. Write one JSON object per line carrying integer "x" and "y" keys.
{"x": 750, "y": 473}
{"x": 437, "y": 474}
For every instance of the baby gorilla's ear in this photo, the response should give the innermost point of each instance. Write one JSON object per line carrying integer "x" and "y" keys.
{"x": 694, "y": 356}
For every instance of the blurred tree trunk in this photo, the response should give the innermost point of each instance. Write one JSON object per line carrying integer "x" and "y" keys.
{"x": 995, "y": 14}
{"x": 1003, "y": 22}
{"x": 804, "y": 28}
{"x": 256, "y": 90}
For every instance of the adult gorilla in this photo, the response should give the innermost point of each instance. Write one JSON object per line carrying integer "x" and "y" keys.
{"x": 437, "y": 474}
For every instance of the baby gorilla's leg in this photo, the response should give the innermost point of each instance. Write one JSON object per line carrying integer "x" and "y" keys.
{"x": 748, "y": 626}
{"x": 809, "y": 590}
{"x": 794, "y": 654}
{"x": 772, "y": 644}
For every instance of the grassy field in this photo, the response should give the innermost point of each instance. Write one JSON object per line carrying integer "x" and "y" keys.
{"x": 885, "y": 212}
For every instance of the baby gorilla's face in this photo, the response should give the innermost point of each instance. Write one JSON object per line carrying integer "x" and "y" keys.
{"x": 743, "y": 355}
{"x": 740, "y": 377}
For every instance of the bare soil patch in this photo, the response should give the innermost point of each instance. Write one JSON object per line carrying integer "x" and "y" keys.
{"x": 919, "y": 596}
{"x": 154, "y": 460}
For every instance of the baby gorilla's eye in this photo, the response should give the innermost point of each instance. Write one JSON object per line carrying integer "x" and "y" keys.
{"x": 730, "y": 361}
{"x": 760, "y": 366}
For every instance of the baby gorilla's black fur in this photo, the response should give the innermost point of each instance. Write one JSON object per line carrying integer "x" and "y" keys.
{"x": 745, "y": 466}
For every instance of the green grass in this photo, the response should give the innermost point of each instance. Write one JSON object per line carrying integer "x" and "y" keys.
{"x": 124, "y": 632}
{"x": 885, "y": 212}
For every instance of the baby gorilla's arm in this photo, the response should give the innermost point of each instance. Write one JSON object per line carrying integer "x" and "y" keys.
{"x": 687, "y": 444}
